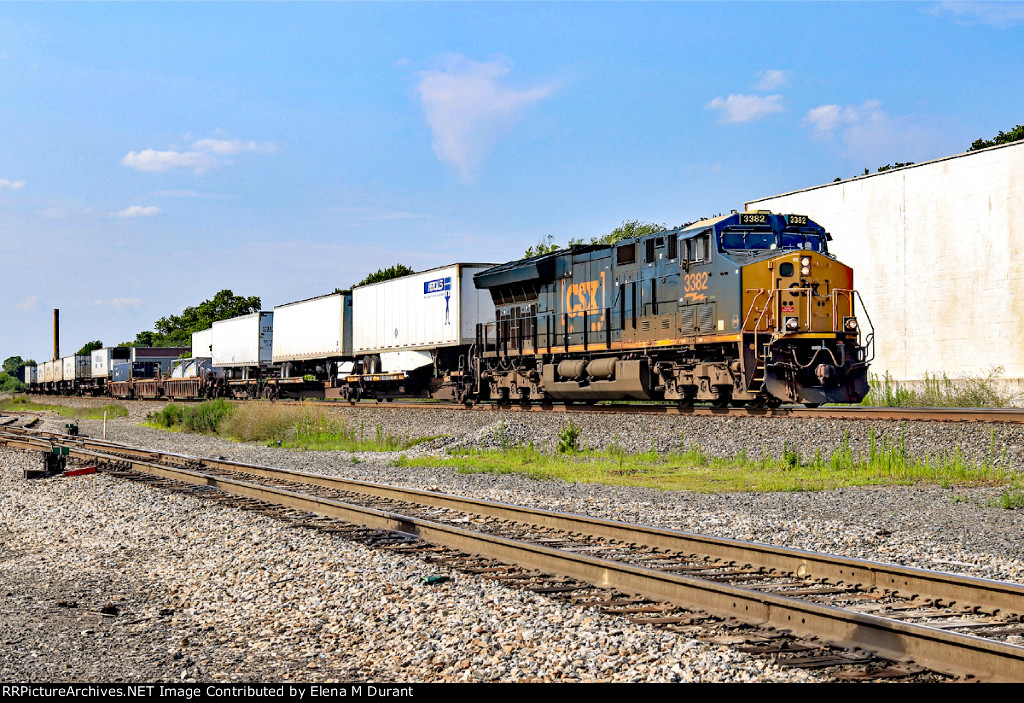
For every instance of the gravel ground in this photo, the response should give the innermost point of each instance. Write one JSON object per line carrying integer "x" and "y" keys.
{"x": 281, "y": 602}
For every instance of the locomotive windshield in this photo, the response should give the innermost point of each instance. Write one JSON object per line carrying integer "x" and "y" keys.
{"x": 770, "y": 240}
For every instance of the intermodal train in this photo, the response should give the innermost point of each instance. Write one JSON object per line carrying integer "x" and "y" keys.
{"x": 748, "y": 308}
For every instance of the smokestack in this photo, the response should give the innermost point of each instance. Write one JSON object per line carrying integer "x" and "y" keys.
{"x": 56, "y": 334}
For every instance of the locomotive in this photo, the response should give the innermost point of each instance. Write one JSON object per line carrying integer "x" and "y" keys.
{"x": 745, "y": 309}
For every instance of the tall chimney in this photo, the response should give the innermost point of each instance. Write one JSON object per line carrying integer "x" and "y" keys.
{"x": 56, "y": 334}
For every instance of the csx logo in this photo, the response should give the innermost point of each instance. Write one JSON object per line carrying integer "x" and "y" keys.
{"x": 585, "y": 296}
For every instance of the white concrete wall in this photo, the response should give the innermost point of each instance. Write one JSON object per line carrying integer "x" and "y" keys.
{"x": 937, "y": 251}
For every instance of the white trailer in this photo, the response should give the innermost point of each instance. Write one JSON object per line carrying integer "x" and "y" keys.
{"x": 317, "y": 328}
{"x": 77, "y": 367}
{"x": 103, "y": 360}
{"x": 202, "y": 343}
{"x": 403, "y": 324}
{"x": 244, "y": 342}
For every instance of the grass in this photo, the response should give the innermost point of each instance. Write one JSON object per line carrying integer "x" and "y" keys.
{"x": 690, "y": 467}
{"x": 940, "y": 391}
{"x": 24, "y": 405}
{"x": 281, "y": 425}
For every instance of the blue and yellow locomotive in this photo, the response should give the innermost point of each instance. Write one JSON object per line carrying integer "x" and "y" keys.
{"x": 747, "y": 308}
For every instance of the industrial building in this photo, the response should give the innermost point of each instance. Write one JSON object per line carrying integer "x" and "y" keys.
{"x": 938, "y": 254}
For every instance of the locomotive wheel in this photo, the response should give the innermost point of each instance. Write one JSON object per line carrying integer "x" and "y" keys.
{"x": 812, "y": 405}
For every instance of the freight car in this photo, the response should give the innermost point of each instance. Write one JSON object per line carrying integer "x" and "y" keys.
{"x": 746, "y": 309}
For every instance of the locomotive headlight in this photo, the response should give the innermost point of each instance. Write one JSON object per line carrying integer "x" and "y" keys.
{"x": 792, "y": 324}
{"x": 806, "y": 261}
{"x": 850, "y": 323}
{"x": 805, "y": 270}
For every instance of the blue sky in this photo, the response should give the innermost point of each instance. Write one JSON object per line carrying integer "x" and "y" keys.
{"x": 152, "y": 154}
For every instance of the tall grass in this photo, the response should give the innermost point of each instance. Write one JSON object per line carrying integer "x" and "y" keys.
{"x": 279, "y": 425}
{"x": 940, "y": 391}
{"x": 23, "y": 404}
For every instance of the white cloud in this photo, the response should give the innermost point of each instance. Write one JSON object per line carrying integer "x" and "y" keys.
{"x": 746, "y": 108}
{"x": 26, "y": 304}
{"x": 159, "y": 161}
{"x": 139, "y": 211}
{"x": 232, "y": 146}
{"x": 771, "y": 79}
{"x": 468, "y": 110}
{"x": 203, "y": 155}
{"x": 997, "y": 14}
{"x": 826, "y": 118}
{"x": 11, "y": 185}
{"x": 867, "y": 132}
{"x": 119, "y": 303}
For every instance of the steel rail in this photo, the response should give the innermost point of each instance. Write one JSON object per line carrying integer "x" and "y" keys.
{"x": 938, "y": 587}
{"x": 937, "y": 649}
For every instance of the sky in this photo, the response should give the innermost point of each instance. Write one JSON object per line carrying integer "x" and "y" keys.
{"x": 152, "y": 154}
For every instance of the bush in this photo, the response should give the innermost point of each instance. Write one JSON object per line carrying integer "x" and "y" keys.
{"x": 205, "y": 417}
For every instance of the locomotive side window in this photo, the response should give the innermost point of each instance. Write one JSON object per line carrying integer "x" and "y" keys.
{"x": 698, "y": 249}
{"x": 626, "y": 254}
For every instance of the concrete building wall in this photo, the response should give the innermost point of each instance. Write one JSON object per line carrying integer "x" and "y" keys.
{"x": 937, "y": 251}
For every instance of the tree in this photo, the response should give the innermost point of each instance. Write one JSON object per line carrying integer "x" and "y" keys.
{"x": 12, "y": 364}
{"x": 546, "y": 245}
{"x": 629, "y": 229}
{"x": 396, "y": 271}
{"x": 89, "y": 348}
{"x": 176, "y": 330}
{"x": 1014, "y": 135}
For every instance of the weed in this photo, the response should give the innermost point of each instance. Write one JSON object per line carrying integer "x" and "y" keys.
{"x": 939, "y": 390}
{"x": 568, "y": 439}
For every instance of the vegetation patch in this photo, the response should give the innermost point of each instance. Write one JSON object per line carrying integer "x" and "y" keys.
{"x": 278, "y": 425}
{"x": 26, "y": 405}
{"x": 690, "y": 467}
{"x": 940, "y": 391}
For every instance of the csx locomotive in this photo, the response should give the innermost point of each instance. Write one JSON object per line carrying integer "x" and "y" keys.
{"x": 745, "y": 309}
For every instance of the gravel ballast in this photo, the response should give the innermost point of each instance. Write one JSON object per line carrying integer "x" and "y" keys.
{"x": 199, "y": 591}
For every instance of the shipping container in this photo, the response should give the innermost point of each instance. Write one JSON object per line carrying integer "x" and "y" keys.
{"x": 104, "y": 359}
{"x": 76, "y": 367}
{"x": 318, "y": 328}
{"x": 422, "y": 311}
{"x": 30, "y": 375}
{"x": 202, "y": 343}
{"x": 245, "y": 341}
{"x": 163, "y": 357}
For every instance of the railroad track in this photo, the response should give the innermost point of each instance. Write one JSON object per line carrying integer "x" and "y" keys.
{"x": 852, "y": 412}
{"x": 864, "y": 619}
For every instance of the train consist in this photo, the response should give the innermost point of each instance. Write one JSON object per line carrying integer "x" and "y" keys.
{"x": 745, "y": 309}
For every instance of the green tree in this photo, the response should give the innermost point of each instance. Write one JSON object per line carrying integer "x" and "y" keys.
{"x": 629, "y": 229}
{"x": 546, "y": 245}
{"x": 1014, "y": 135}
{"x": 12, "y": 364}
{"x": 89, "y": 348}
{"x": 176, "y": 330}
{"x": 396, "y": 271}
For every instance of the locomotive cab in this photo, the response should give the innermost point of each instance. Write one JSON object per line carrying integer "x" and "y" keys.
{"x": 801, "y": 334}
